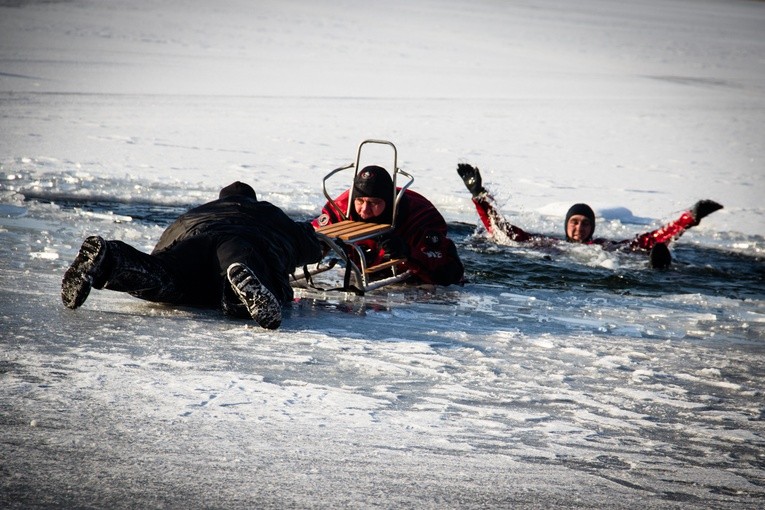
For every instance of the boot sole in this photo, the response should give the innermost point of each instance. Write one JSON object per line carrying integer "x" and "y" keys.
{"x": 78, "y": 279}
{"x": 263, "y": 307}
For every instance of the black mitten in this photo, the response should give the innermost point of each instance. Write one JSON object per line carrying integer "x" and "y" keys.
{"x": 704, "y": 208}
{"x": 471, "y": 176}
{"x": 394, "y": 247}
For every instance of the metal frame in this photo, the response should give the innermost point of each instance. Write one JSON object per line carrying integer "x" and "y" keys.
{"x": 396, "y": 172}
{"x": 340, "y": 242}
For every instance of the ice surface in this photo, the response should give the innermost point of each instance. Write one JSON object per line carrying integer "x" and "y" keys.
{"x": 560, "y": 378}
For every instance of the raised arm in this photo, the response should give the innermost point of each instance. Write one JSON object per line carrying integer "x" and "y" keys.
{"x": 492, "y": 219}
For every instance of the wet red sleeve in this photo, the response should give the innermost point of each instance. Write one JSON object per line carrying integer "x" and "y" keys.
{"x": 494, "y": 221}
{"x": 664, "y": 234}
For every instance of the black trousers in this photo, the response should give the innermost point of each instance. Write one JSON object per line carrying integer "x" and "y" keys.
{"x": 193, "y": 271}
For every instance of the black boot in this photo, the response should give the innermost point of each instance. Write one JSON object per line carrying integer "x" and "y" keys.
{"x": 660, "y": 256}
{"x": 232, "y": 304}
{"x": 260, "y": 302}
{"x": 704, "y": 208}
{"x": 88, "y": 270}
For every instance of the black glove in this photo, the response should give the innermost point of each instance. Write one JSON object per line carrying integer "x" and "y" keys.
{"x": 704, "y": 208}
{"x": 394, "y": 247}
{"x": 471, "y": 176}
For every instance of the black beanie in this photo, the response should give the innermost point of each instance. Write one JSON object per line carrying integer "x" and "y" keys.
{"x": 237, "y": 188}
{"x": 375, "y": 181}
{"x": 586, "y": 211}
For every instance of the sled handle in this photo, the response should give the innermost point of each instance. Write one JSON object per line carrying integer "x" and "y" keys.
{"x": 397, "y": 195}
{"x": 330, "y": 200}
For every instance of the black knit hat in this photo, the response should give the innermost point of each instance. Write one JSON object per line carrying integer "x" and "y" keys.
{"x": 237, "y": 188}
{"x": 586, "y": 211}
{"x": 375, "y": 181}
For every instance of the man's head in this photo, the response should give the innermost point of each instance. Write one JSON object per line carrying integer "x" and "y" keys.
{"x": 580, "y": 223}
{"x": 373, "y": 195}
{"x": 237, "y": 188}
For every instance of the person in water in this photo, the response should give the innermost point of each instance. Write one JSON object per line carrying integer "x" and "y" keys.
{"x": 579, "y": 224}
{"x": 420, "y": 236}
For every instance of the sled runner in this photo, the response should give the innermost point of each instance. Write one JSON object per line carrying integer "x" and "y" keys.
{"x": 343, "y": 237}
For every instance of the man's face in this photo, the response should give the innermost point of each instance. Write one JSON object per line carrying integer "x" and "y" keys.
{"x": 369, "y": 207}
{"x": 579, "y": 228}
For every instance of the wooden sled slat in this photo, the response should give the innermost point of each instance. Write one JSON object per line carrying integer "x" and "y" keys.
{"x": 351, "y": 231}
{"x": 384, "y": 265}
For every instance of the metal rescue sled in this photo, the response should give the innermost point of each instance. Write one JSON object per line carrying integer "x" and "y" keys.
{"x": 343, "y": 238}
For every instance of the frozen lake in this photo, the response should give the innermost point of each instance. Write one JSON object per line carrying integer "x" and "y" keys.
{"x": 562, "y": 378}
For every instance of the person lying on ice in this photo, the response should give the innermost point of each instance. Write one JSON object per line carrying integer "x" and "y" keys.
{"x": 420, "y": 234}
{"x": 235, "y": 253}
{"x": 580, "y": 223}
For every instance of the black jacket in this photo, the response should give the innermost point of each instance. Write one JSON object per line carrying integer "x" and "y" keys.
{"x": 261, "y": 223}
